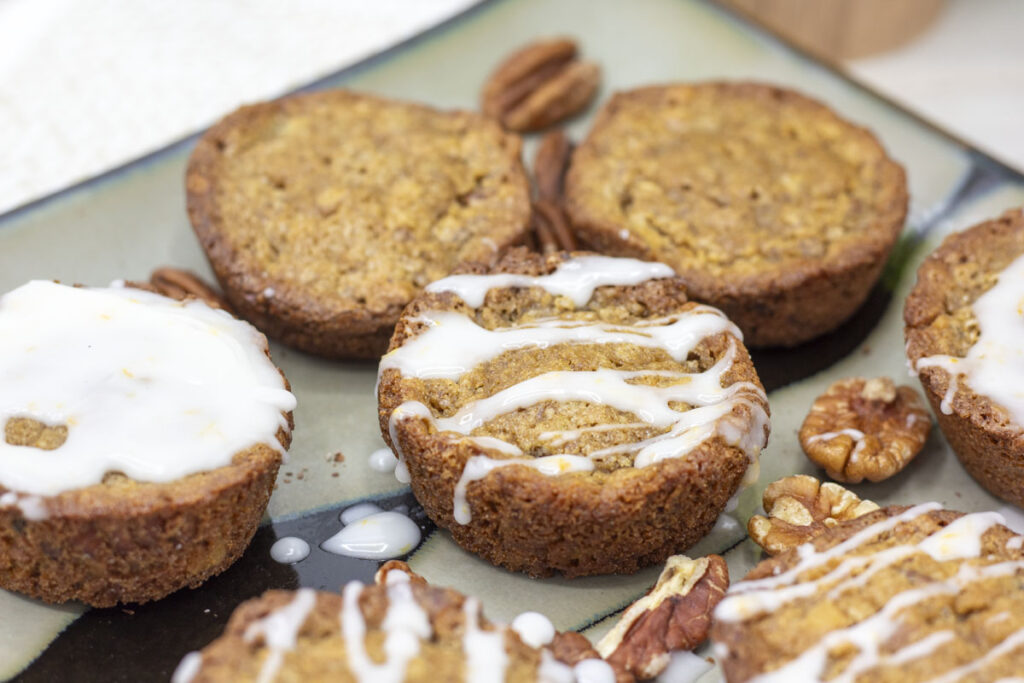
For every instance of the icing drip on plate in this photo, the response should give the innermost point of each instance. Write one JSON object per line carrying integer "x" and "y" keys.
{"x": 147, "y": 386}
{"x": 994, "y": 365}
{"x": 450, "y": 345}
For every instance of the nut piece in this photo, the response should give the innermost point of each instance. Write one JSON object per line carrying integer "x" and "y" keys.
{"x": 865, "y": 429}
{"x": 540, "y": 85}
{"x": 179, "y": 284}
{"x": 571, "y": 648}
{"x": 551, "y": 227}
{"x": 382, "y": 578}
{"x": 674, "y": 615}
{"x": 549, "y": 165}
{"x": 800, "y": 507}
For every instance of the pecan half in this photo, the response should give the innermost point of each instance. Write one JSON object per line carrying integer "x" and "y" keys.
{"x": 674, "y": 615}
{"x": 552, "y": 228}
{"x": 801, "y": 507}
{"x": 571, "y": 648}
{"x": 179, "y": 284}
{"x": 381, "y": 577}
{"x": 539, "y": 85}
{"x": 865, "y": 429}
{"x": 549, "y": 165}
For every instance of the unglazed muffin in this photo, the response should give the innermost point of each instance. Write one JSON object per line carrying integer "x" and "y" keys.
{"x": 324, "y": 213}
{"x": 899, "y": 595}
{"x": 402, "y": 631}
{"x": 964, "y": 325}
{"x": 142, "y": 437}
{"x": 570, "y": 413}
{"x": 768, "y": 205}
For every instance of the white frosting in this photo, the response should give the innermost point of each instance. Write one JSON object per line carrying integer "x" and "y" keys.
{"x": 147, "y": 386}
{"x": 289, "y": 550}
{"x": 958, "y": 540}
{"x": 187, "y": 668}
{"x": 356, "y": 512}
{"x": 381, "y": 536}
{"x": 280, "y": 631}
{"x": 994, "y": 365}
{"x": 405, "y": 625}
{"x": 684, "y": 667}
{"x": 553, "y": 671}
{"x": 486, "y": 659}
{"x": 1009, "y": 644}
{"x": 576, "y": 278}
{"x": 534, "y": 629}
{"x": 594, "y": 671}
{"x": 383, "y": 460}
{"x": 1015, "y": 543}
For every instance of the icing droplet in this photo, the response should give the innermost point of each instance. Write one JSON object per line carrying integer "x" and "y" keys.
{"x": 684, "y": 667}
{"x": 383, "y": 460}
{"x": 187, "y": 668}
{"x": 594, "y": 671}
{"x": 289, "y": 550}
{"x": 534, "y": 629}
{"x": 381, "y": 536}
{"x": 357, "y": 512}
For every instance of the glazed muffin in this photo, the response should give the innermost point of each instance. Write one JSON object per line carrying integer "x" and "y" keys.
{"x": 142, "y": 437}
{"x": 766, "y": 203}
{"x": 324, "y": 213}
{"x": 964, "y": 324}
{"x": 571, "y": 413}
{"x": 402, "y": 631}
{"x": 901, "y": 594}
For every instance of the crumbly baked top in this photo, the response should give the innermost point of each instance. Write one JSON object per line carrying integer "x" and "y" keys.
{"x": 965, "y": 319}
{"x": 572, "y": 364}
{"x": 352, "y": 201}
{"x": 901, "y": 594}
{"x": 118, "y": 380}
{"x": 736, "y": 180}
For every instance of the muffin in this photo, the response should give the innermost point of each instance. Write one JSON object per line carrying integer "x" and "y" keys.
{"x": 402, "y": 631}
{"x": 766, "y": 203}
{"x": 901, "y": 594}
{"x": 963, "y": 328}
{"x": 141, "y": 441}
{"x": 324, "y": 213}
{"x": 572, "y": 413}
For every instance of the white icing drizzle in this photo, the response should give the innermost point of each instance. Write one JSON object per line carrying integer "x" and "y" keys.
{"x": 383, "y": 460}
{"x": 594, "y": 671}
{"x": 1015, "y": 543}
{"x": 576, "y": 278}
{"x": 486, "y": 659}
{"x": 356, "y": 512}
{"x": 289, "y": 550}
{"x": 958, "y": 540}
{"x": 534, "y": 629}
{"x": 380, "y": 536}
{"x": 994, "y": 365}
{"x": 452, "y": 344}
{"x": 1009, "y": 644}
{"x": 684, "y": 667}
{"x": 553, "y": 671}
{"x": 187, "y": 668}
{"x": 147, "y": 386}
{"x": 32, "y": 507}
{"x": 280, "y": 631}
{"x": 405, "y": 625}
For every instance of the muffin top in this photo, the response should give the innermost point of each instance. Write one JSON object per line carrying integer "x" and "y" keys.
{"x": 901, "y": 594}
{"x": 965, "y": 319}
{"x": 736, "y": 185}
{"x": 572, "y": 363}
{"x": 342, "y": 204}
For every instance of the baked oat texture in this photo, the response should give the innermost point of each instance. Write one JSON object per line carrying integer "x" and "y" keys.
{"x": 615, "y": 519}
{"x": 768, "y": 205}
{"x": 939, "y": 320}
{"x": 324, "y": 213}
{"x": 964, "y": 625}
{"x": 320, "y": 653}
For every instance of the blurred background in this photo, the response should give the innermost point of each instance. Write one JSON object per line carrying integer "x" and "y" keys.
{"x": 88, "y": 85}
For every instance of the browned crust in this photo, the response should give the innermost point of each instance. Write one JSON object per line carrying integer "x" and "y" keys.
{"x": 575, "y": 524}
{"x": 989, "y": 444}
{"x": 749, "y": 656}
{"x": 772, "y": 307}
{"x": 293, "y": 315}
{"x": 124, "y": 541}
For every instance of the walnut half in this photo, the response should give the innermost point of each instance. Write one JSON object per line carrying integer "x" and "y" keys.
{"x": 799, "y": 508}
{"x": 674, "y": 615}
{"x": 865, "y": 429}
